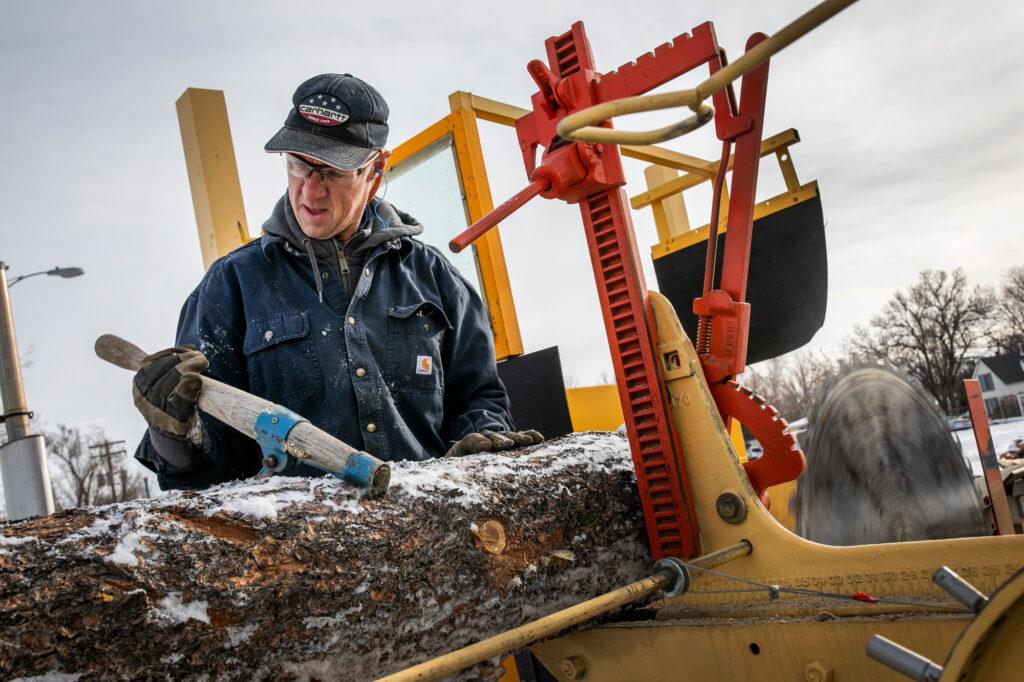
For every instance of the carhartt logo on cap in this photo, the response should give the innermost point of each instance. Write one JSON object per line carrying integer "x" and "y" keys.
{"x": 323, "y": 110}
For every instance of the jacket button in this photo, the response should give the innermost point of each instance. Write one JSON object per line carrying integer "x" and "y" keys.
{"x": 268, "y": 335}
{"x": 371, "y": 427}
{"x": 360, "y": 372}
{"x": 352, "y": 321}
{"x": 368, "y": 272}
{"x": 325, "y": 274}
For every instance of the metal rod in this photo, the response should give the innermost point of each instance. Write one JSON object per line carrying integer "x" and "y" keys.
{"x": 474, "y": 231}
{"x": 711, "y": 255}
{"x": 580, "y": 127}
{"x": 784, "y": 37}
{"x": 903, "y": 660}
{"x": 960, "y": 589}
{"x": 517, "y": 638}
{"x": 12, "y": 391}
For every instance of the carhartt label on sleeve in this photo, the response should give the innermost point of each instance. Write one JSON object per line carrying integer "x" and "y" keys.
{"x": 424, "y": 364}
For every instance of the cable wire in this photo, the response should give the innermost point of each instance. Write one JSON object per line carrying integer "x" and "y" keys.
{"x": 774, "y": 591}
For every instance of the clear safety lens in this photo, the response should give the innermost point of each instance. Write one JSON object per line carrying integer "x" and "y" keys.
{"x": 297, "y": 168}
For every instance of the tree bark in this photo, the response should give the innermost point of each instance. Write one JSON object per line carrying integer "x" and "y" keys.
{"x": 285, "y": 578}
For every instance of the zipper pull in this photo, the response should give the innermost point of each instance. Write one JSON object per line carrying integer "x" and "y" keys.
{"x": 343, "y": 266}
{"x": 343, "y": 262}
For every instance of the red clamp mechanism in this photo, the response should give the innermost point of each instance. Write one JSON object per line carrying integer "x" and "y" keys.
{"x": 567, "y": 171}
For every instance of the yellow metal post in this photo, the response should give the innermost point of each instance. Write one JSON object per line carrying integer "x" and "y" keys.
{"x": 490, "y": 255}
{"x": 669, "y": 213}
{"x": 212, "y": 172}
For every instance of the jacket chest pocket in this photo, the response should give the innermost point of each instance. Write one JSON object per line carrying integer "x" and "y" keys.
{"x": 415, "y": 339}
{"x": 282, "y": 358}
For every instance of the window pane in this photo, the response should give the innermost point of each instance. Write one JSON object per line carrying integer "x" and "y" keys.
{"x": 427, "y": 187}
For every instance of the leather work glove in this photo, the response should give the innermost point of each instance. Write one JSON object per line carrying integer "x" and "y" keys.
{"x": 472, "y": 443}
{"x": 167, "y": 386}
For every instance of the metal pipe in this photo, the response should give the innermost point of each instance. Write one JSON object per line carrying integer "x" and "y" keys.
{"x": 903, "y": 660}
{"x": 503, "y": 211}
{"x": 517, "y": 638}
{"x": 26, "y": 478}
{"x": 962, "y": 591}
{"x": 581, "y": 126}
{"x": 12, "y": 391}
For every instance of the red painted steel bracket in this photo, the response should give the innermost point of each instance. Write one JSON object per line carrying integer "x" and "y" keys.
{"x": 591, "y": 175}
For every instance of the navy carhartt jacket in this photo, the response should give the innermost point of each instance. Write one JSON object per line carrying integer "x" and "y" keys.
{"x": 401, "y": 367}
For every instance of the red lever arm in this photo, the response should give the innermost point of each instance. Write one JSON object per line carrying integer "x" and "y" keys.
{"x": 474, "y": 231}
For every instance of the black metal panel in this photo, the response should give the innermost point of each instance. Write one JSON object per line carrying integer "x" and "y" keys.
{"x": 787, "y": 286}
{"x": 537, "y": 392}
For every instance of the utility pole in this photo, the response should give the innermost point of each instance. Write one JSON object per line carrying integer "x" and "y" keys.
{"x": 107, "y": 454}
{"x": 23, "y": 467}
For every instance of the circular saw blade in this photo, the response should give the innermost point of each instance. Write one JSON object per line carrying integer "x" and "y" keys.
{"x": 883, "y": 467}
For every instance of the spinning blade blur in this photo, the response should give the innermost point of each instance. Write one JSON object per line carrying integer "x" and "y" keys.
{"x": 882, "y": 467}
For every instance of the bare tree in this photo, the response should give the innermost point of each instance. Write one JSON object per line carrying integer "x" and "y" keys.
{"x": 791, "y": 383}
{"x": 79, "y": 477}
{"x": 929, "y": 331}
{"x": 1008, "y": 332}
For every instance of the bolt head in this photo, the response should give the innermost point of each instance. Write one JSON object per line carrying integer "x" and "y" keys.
{"x": 269, "y": 462}
{"x": 818, "y": 671}
{"x": 573, "y": 668}
{"x": 731, "y": 507}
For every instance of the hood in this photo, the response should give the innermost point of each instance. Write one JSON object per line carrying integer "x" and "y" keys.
{"x": 381, "y": 222}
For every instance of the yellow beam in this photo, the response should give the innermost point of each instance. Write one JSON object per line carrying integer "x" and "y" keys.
{"x": 491, "y": 109}
{"x": 765, "y": 208}
{"x": 490, "y": 255}
{"x": 419, "y": 141}
{"x": 670, "y": 217}
{"x": 768, "y": 146}
{"x": 212, "y": 172}
{"x": 785, "y": 160}
{"x": 671, "y": 159}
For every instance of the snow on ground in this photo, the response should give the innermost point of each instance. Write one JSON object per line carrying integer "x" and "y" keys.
{"x": 1004, "y": 433}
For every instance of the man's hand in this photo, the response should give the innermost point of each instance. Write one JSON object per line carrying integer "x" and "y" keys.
{"x": 473, "y": 443}
{"x": 167, "y": 386}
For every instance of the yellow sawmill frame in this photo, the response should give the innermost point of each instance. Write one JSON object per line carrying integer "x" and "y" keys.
{"x": 722, "y": 629}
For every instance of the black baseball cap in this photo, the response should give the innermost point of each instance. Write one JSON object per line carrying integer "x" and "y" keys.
{"x": 337, "y": 119}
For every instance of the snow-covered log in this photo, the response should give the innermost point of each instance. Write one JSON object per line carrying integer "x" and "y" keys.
{"x": 285, "y": 578}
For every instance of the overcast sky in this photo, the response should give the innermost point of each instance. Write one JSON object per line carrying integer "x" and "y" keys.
{"x": 909, "y": 114}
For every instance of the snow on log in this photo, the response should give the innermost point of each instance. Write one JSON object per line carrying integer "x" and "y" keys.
{"x": 285, "y": 578}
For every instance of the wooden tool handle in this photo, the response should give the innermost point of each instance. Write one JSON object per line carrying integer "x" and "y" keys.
{"x": 239, "y": 410}
{"x": 117, "y": 351}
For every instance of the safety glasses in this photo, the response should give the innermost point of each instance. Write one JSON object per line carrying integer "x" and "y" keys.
{"x": 297, "y": 168}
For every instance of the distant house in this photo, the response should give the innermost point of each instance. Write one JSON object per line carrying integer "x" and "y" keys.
{"x": 1000, "y": 376}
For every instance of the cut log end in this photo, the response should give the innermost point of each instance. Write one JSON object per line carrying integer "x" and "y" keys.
{"x": 489, "y": 536}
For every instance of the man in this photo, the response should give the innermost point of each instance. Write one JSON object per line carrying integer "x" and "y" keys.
{"x": 337, "y": 313}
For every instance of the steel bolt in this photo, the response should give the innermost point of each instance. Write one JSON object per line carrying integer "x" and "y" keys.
{"x": 818, "y": 671}
{"x": 269, "y": 462}
{"x": 731, "y": 507}
{"x": 573, "y": 668}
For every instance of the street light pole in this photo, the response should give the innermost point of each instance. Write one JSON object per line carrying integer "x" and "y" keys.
{"x": 23, "y": 467}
